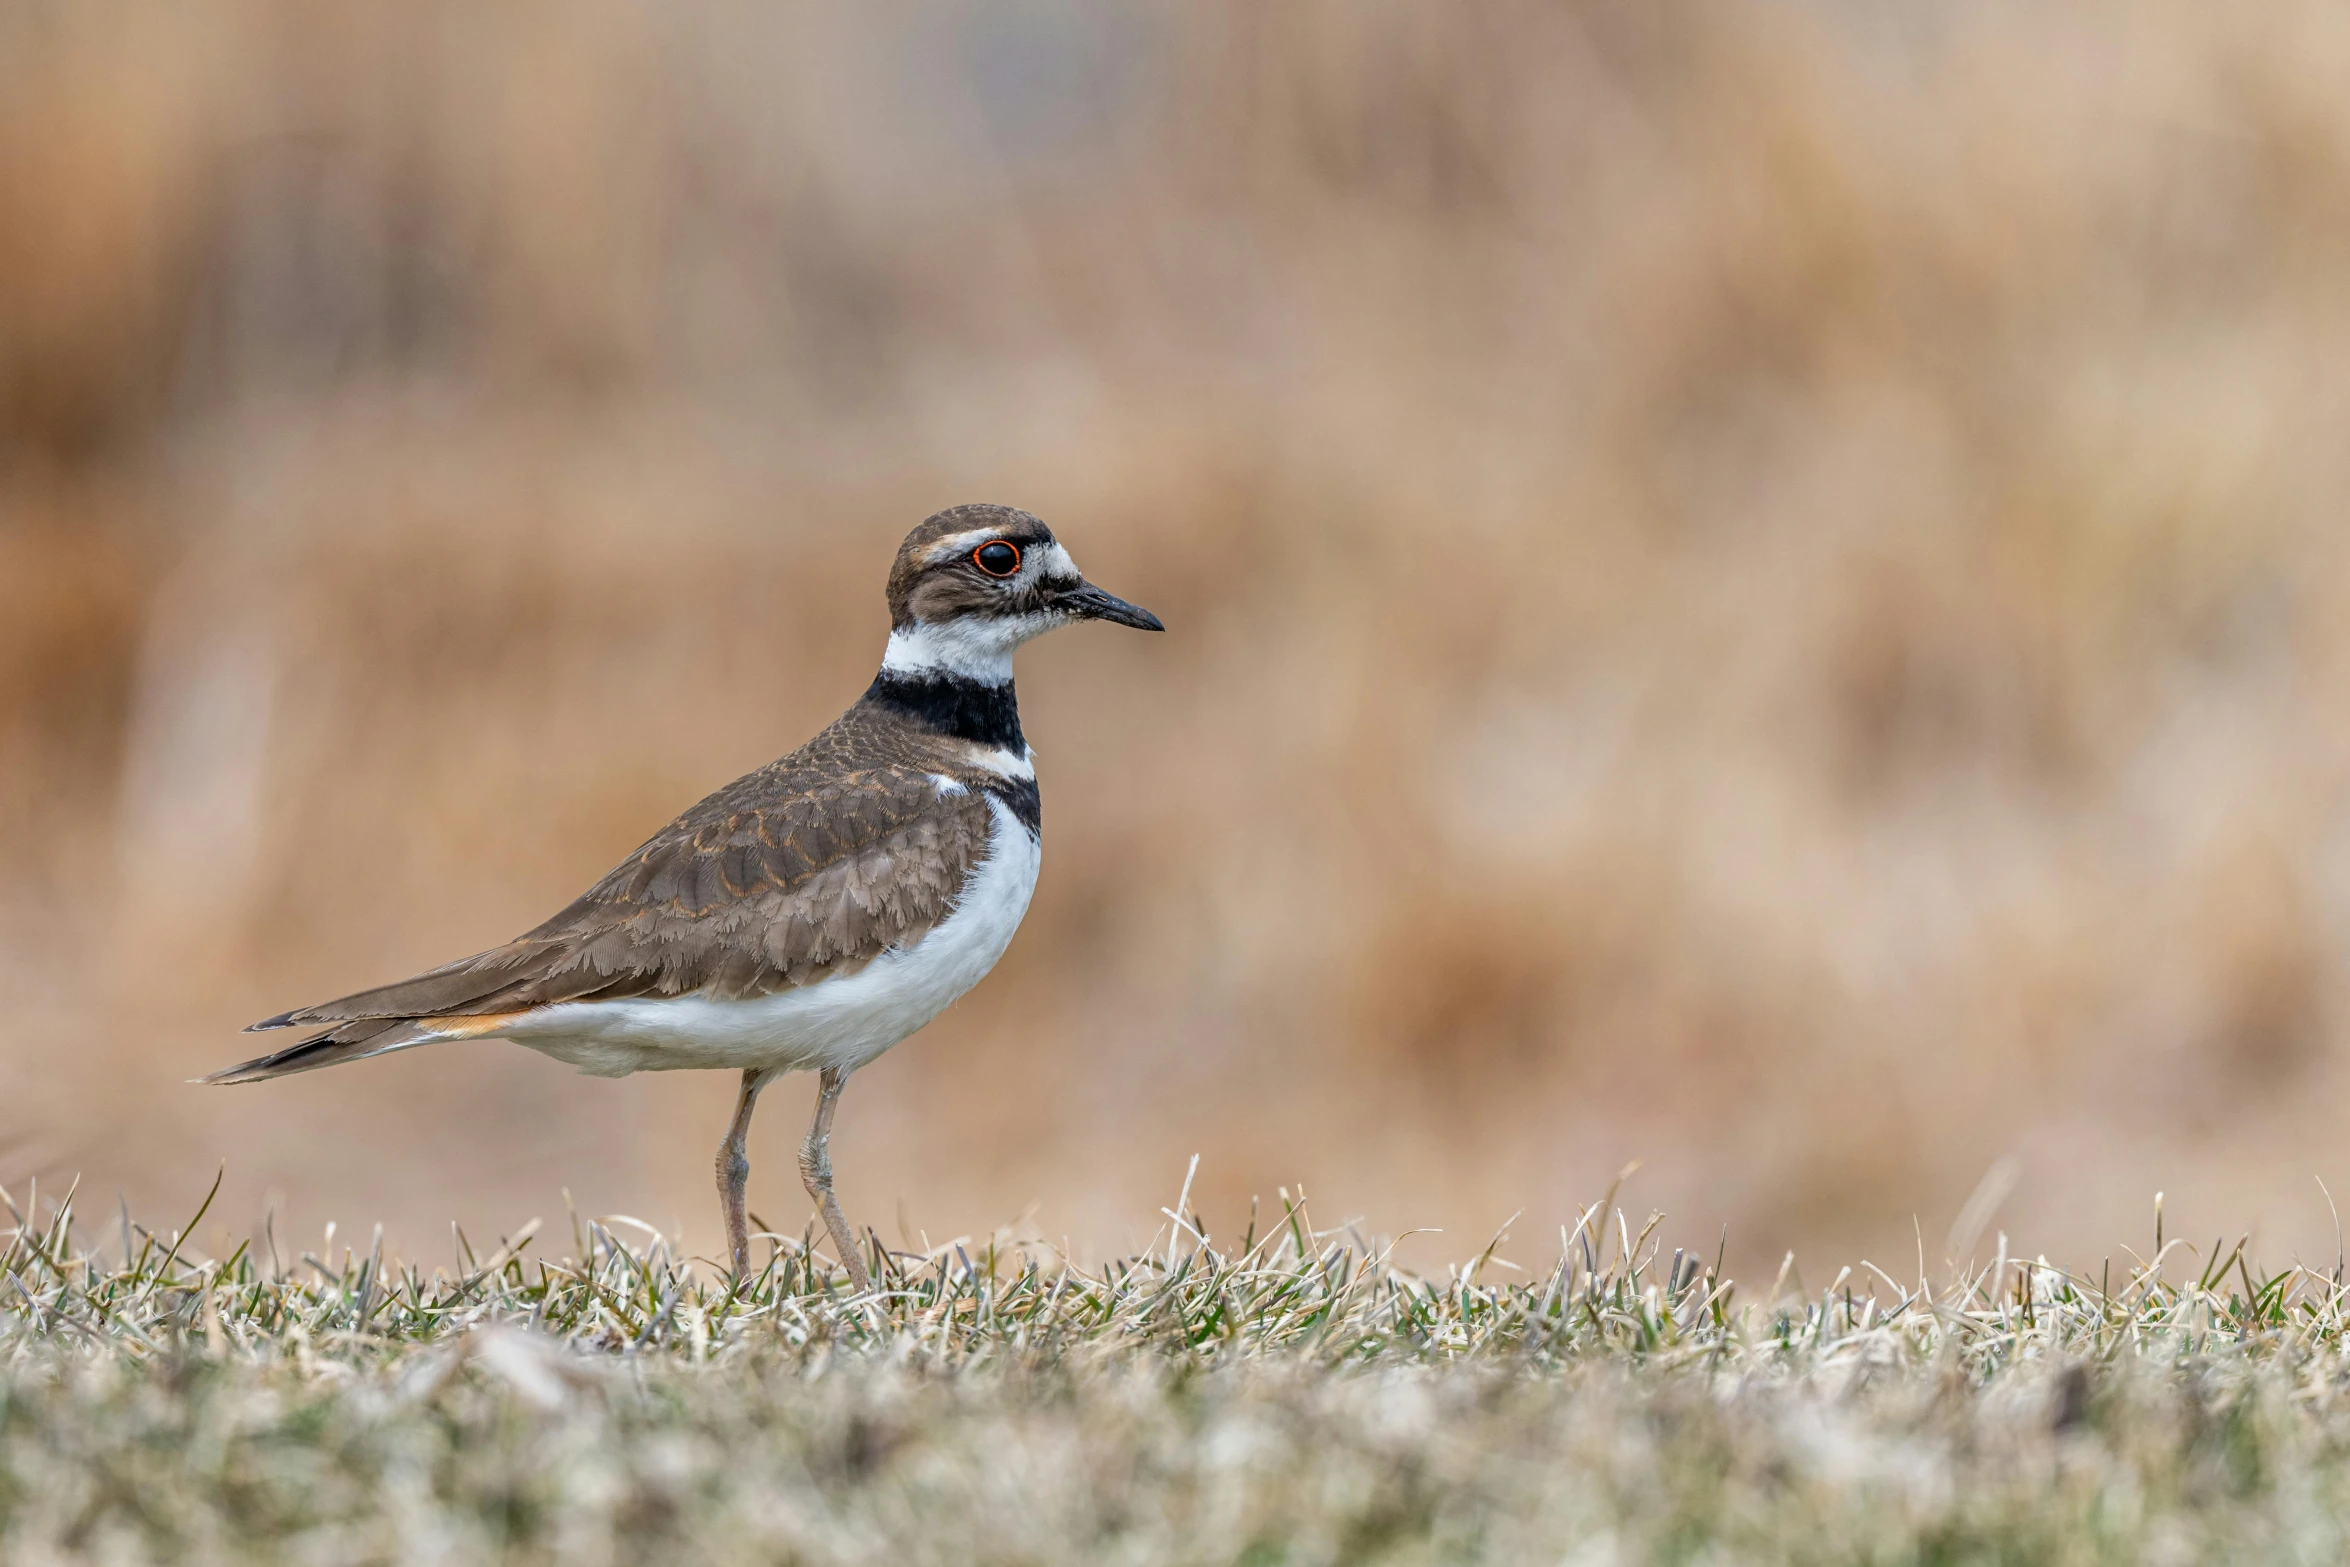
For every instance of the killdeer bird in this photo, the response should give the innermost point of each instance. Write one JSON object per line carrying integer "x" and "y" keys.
{"x": 807, "y": 916}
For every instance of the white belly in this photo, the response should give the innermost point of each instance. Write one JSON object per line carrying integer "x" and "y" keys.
{"x": 842, "y": 1022}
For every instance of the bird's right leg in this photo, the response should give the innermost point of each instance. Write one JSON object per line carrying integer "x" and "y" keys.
{"x": 734, "y": 1171}
{"x": 816, "y": 1171}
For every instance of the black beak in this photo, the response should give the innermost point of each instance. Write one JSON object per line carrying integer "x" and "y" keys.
{"x": 1091, "y": 603}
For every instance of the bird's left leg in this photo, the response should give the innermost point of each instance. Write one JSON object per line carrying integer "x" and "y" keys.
{"x": 734, "y": 1171}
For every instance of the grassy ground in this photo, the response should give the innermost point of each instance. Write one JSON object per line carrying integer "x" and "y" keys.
{"x": 1281, "y": 1397}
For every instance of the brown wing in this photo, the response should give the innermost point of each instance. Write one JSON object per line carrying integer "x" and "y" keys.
{"x": 789, "y": 875}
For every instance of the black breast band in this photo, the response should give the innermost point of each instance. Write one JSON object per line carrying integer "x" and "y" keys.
{"x": 965, "y": 709}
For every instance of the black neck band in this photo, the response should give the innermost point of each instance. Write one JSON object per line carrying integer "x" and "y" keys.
{"x": 966, "y": 709}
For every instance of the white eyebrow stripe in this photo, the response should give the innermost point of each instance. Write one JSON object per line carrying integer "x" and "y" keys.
{"x": 1049, "y": 560}
{"x": 958, "y": 543}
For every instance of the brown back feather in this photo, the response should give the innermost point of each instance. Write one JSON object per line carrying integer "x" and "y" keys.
{"x": 812, "y": 866}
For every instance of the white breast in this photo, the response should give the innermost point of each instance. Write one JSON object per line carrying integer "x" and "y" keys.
{"x": 835, "y": 1022}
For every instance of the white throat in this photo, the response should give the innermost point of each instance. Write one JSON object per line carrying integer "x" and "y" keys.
{"x": 974, "y": 647}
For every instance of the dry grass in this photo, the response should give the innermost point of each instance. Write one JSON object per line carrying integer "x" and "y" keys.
{"x": 1285, "y": 1396}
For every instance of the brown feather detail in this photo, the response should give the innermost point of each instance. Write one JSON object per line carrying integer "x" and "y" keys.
{"x": 812, "y": 866}
{"x": 346, "y": 1042}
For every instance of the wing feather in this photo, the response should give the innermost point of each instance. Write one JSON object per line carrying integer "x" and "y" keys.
{"x": 812, "y": 866}
{"x": 738, "y": 897}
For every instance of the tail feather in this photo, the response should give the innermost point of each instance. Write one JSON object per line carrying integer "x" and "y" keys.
{"x": 347, "y": 1042}
{"x": 461, "y": 1000}
{"x": 518, "y": 975}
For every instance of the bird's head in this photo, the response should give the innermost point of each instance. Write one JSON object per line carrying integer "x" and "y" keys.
{"x": 972, "y": 583}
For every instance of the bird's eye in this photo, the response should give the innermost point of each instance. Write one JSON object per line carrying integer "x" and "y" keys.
{"x": 997, "y": 558}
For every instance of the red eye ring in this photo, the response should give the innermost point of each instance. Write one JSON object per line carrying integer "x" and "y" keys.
{"x": 989, "y": 557}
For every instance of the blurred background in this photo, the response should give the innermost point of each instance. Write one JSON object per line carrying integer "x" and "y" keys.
{"x": 1758, "y": 587}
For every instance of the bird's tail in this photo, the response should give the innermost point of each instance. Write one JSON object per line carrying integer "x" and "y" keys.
{"x": 351, "y": 1041}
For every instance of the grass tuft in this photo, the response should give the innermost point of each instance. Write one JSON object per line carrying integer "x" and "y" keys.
{"x": 1290, "y": 1396}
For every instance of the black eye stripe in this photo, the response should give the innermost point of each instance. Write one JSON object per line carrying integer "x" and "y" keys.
{"x": 997, "y": 558}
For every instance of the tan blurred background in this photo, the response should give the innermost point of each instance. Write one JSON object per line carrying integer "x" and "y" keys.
{"x": 1758, "y": 587}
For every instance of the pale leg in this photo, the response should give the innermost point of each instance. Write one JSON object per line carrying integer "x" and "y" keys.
{"x": 734, "y": 1171}
{"x": 816, "y": 1170}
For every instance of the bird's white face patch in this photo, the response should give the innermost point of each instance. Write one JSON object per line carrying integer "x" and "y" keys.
{"x": 975, "y": 647}
{"x": 980, "y": 646}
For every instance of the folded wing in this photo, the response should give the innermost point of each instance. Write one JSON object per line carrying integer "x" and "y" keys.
{"x": 784, "y": 878}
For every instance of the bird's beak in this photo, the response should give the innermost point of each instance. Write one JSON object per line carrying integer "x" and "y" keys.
{"x": 1091, "y": 603}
